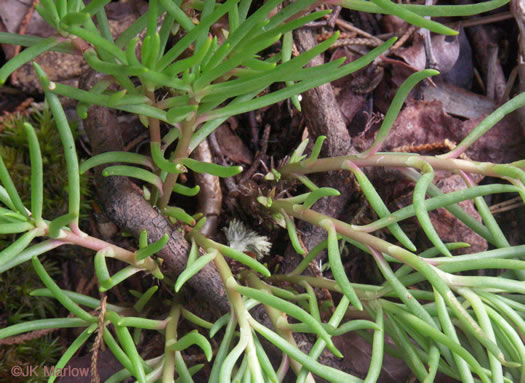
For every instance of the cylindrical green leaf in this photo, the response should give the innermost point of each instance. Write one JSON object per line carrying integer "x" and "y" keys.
{"x": 485, "y": 125}
{"x": 142, "y": 323}
{"x": 94, "y": 6}
{"x": 58, "y": 223}
{"x": 184, "y": 190}
{"x": 161, "y": 162}
{"x": 178, "y": 14}
{"x": 15, "y": 248}
{"x": 68, "y": 143}
{"x": 41, "y": 324}
{"x": 376, "y": 362}
{"x": 181, "y": 65}
{"x": 108, "y": 157}
{"x": 150, "y": 50}
{"x": 59, "y": 294}
{"x": 193, "y": 338}
{"x": 292, "y": 310}
{"x": 15, "y": 228}
{"x": 193, "y": 269}
{"x": 12, "y": 198}
{"x": 130, "y": 171}
{"x": 126, "y": 340}
{"x": 144, "y": 299}
{"x": 152, "y": 248}
{"x": 99, "y": 42}
{"x": 396, "y": 105}
{"x": 180, "y": 113}
{"x": 143, "y": 239}
{"x": 378, "y": 205}
{"x": 26, "y": 56}
{"x": 37, "y": 173}
{"x": 336, "y": 265}
{"x": 414, "y": 19}
{"x": 120, "y": 276}
{"x": 319, "y": 193}
{"x": 81, "y": 299}
{"x": 292, "y": 233}
{"x": 310, "y": 257}
{"x": 117, "y": 350}
{"x": 422, "y": 215}
{"x": 328, "y": 373}
{"x": 230, "y": 252}
{"x": 74, "y": 18}
{"x": 101, "y": 268}
{"x": 72, "y": 349}
{"x": 210, "y": 168}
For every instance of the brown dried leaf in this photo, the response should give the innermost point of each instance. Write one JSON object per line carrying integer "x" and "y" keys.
{"x": 425, "y": 122}
{"x": 12, "y": 14}
{"x": 501, "y": 144}
{"x": 459, "y": 102}
{"x": 422, "y": 122}
{"x": 358, "y": 352}
{"x": 351, "y": 104}
{"x": 393, "y": 24}
{"x": 445, "y": 48}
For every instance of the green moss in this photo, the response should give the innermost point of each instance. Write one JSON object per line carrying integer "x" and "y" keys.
{"x": 15, "y": 153}
{"x": 16, "y": 305}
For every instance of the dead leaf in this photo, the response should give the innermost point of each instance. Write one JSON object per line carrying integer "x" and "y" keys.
{"x": 461, "y": 73}
{"x": 393, "y": 24}
{"x": 458, "y": 101}
{"x": 13, "y": 11}
{"x": 445, "y": 48}
{"x": 107, "y": 365}
{"x": 425, "y": 122}
{"x": 358, "y": 353}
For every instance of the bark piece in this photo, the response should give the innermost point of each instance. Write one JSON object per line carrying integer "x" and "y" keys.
{"x": 210, "y": 195}
{"x": 323, "y": 118}
{"x": 320, "y": 107}
{"x": 125, "y": 205}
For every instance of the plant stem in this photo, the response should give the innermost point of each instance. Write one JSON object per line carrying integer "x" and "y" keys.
{"x": 187, "y": 128}
{"x": 431, "y": 273}
{"x": 242, "y": 316}
{"x": 168, "y": 370}
{"x": 98, "y": 244}
{"x": 154, "y": 123}
{"x": 154, "y": 133}
{"x": 279, "y": 322}
{"x": 394, "y": 160}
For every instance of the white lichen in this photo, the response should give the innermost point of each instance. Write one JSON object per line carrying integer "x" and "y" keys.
{"x": 242, "y": 239}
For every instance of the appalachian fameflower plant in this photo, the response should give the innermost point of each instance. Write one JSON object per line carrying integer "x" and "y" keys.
{"x": 466, "y": 327}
